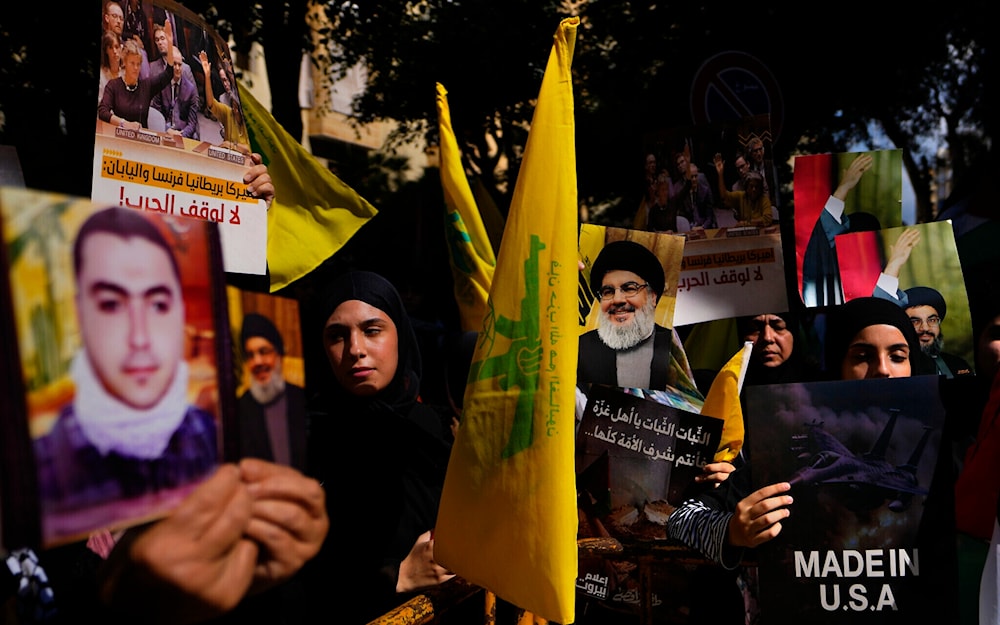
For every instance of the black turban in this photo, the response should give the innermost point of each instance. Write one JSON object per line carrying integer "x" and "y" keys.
{"x": 255, "y": 324}
{"x": 376, "y": 291}
{"x": 849, "y": 318}
{"x": 926, "y": 296}
{"x": 628, "y": 256}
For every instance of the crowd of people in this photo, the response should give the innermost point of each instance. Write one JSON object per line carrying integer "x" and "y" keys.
{"x": 265, "y": 538}
{"x": 146, "y": 81}
{"x": 260, "y": 538}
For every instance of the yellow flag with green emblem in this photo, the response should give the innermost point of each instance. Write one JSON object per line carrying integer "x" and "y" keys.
{"x": 313, "y": 213}
{"x": 508, "y": 519}
{"x": 472, "y": 259}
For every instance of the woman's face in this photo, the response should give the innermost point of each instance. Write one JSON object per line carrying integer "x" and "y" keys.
{"x": 362, "y": 345}
{"x": 877, "y": 351}
{"x": 133, "y": 63}
{"x": 772, "y": 341}
{"x": 113, "y": 51}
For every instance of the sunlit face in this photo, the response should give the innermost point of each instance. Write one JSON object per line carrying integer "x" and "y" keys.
{"x": 362, "y": 345}
{"x": 926, "y": 322}
{"x": 131, "y": 315}
{"x": 133, "y": 63}
{"x": 619, "y": 309}
{"x": 114, "y": 18}
{"x": 160, "y": 38}
{"x": 877, "y": 351}
{"x": 772, "y": 340}
{"x": 261, "y": 358}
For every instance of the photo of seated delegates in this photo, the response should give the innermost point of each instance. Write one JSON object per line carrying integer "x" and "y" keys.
{"x": 918, "y": 268}
{"x": 836, "y": 194}
{"x": 125, "y": 416}
{"x": 683, "y": 192}
{"x": 178, "y": 104}
{"x": 126, "y": 99}
{"x": 232, "y": 131}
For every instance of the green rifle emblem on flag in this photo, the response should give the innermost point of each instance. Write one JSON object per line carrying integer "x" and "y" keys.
{"x": 519, "y": 366}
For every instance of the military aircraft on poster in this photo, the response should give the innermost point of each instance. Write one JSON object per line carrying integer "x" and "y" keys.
{"x": 866, "y": 480}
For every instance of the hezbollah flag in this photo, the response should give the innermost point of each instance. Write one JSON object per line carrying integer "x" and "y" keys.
{"x": 723, "y": 402}
{"x": 472, "y": 259}
{"x": 313, "y": 213}
{"x": 508, "y": 520}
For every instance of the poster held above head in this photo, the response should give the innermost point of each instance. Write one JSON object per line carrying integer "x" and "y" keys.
{"x": 836, "y": 194}
{"x": 165, "y": 170}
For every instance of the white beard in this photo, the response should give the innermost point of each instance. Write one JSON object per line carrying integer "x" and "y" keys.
{"x": 266, "y": 392}
{"x": 625, "y": 336}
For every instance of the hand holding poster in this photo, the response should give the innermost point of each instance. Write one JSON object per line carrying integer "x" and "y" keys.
{"x": 870, "y": 537}
{"x": 119, "y": 383}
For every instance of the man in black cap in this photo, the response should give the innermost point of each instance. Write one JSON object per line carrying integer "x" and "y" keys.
{"x": 272, "y": 411}
{"x": 926, "y": 308}
{"x": 628, "y": 349}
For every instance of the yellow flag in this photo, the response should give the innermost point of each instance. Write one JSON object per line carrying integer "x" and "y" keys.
{"x": 508, "y": 517}
{"x": 723, "y": 402}
{"x": 472, "y": 259}
{"x": 313, "y": 213}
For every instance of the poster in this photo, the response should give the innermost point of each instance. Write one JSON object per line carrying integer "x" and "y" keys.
{"x": 116, "y": 367}
{"x": 729, "y": 277}
{"x": 870, "y": 534}
{"x": 144, "y": 160}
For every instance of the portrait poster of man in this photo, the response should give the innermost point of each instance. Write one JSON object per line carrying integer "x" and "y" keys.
{"x": 916, "y": 262}
{"x": 870, "y": 534}
{"x": 270, "y": 369}
{"x": 143, "y": 162}
{"x": 669, "y": 249}
{"x": 836, "y": 194}
{"x": 115, "y": 396}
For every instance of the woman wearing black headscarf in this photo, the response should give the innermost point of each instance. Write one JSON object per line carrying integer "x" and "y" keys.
{"x": 780, "y": 353}
{"x": 870, "y": 337}
{"x": 380, "y": 453}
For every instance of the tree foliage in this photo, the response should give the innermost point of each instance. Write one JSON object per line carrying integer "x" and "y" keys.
{"x": 848, "y": 77}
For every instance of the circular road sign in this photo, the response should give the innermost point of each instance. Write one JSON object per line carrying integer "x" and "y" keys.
{"x": 733, "y": 85}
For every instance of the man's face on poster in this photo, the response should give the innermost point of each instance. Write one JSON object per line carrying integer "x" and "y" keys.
{"x": 628, "y": 310}
{"x": 131, "y": 315}
{"x": 619, "y": 307}
{"x": 262, "y": 359}
{"x": 742, "y": 166}
{"x": 927, "y": 323}
{"x": 161, "y": 41}
{"x": 114, "y": 18}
